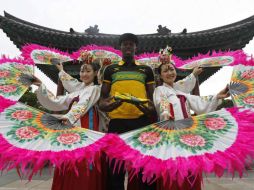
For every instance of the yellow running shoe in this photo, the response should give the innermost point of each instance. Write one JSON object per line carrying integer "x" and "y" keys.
{"x": 126, "y": 97}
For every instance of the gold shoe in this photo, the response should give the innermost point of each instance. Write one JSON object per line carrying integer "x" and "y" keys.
{"x": 129, "y": 98}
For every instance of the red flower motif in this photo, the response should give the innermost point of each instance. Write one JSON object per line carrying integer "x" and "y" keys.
{"x": 68, "y": 138}
{"x": 100, "y": 53}
{"x": 40, "y": 58}
{"x": 149, "y": 138}
{"x": 113, "y": 57}
{"x": 86, "y": 57}
{"x": 106, "y": 61}
{"x": 8, "y": 88}
{"x": 27, "y": 132}
{"x": 192, "y": 140}
{"x": 22, "y": 115}
{"x": 249, "y": 74}
{"x": 21, "y": 67}
{"x": 4, "y": 74}
{"x": 249, "y": 100}
{"x": 215, "y": 123}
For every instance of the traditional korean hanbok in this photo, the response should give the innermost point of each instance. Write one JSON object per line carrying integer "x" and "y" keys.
{"x": 187, "y": 84}
{"x": 170, "y": 101}
{"x": 181, "y": 102}
{"x": 71, "y": 84}
{"x": 80, "y": 104}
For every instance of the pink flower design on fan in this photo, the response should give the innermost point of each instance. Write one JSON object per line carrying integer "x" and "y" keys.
{"x": 22, "y": 115}
{"x": 193, "y": 140}
{"x": 149, "y": 138}
{"x": 8, "y": 88}
{"x": 215, "y": 123}
{"x": 27, "y": 132}
{"x": 100, "y": 53}
{"x": 113, "y": 57}
{"x": 4, "y": 74}
{"x": 40, "y": 57}
{"x": 21, "y": 67}
{"x": 68, "y": 138}
{"x": 249, "y": 74}
{"x": 249, "y": 100}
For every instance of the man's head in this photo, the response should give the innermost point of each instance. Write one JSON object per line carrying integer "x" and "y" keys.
{"x": 128, "y": 43}
{"x": 128, "y": 37}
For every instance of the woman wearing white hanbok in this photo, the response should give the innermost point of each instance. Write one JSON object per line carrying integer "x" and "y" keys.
{"x": 80, "y": 104}
{"x": 171, "y": 103}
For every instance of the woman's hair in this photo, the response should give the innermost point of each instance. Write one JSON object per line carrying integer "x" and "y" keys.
{"x": 96, "y": 67}
{"x": 159, "y": 68}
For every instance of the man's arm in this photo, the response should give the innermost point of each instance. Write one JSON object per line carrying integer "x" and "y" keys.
{"x": 150, "y": 90}
{"x": 148, "y": 109}
{"x": 105, "y": 102}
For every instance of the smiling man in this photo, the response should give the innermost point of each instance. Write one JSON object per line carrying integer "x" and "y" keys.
{"x": 127, "y": 77}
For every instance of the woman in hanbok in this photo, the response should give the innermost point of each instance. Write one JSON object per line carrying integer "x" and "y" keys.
{"x": 173, "y": 104}
{"x": 81, "y": 106}
{"x": 185, "y": 85}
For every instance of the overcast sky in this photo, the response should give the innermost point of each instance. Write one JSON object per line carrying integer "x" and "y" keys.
{"x": 136, "y": 16}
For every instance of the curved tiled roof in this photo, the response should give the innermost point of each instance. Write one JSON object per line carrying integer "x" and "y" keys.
{"x": 233, "y": 36}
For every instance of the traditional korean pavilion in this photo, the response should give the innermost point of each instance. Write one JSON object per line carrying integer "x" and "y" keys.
{"x": 185, "y": 44}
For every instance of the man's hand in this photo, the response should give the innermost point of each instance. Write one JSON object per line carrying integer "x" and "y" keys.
{"x": 146, "y": 109}
{"x": 107, "y": 105}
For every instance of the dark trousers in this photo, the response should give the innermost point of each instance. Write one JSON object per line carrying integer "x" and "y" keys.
{"x": 116, "y": 179}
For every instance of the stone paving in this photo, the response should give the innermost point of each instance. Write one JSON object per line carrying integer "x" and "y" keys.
{"x": 11, "y": 181}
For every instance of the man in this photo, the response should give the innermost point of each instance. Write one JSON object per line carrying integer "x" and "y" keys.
{"x": 127, "y": 77}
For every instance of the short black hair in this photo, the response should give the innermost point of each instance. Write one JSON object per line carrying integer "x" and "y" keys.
{"x": 128, "y": 37}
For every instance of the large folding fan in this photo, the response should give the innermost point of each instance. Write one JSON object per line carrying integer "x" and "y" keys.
{"x": 216, "y": 59}
{"x": 242, "y": 86}
{"x": 43, "y": 55}
{"x": 16, "y": 76}
{"x": 29, "y": 138}
{"x": 175, "y": 150}
{"x": 100, "y": 52}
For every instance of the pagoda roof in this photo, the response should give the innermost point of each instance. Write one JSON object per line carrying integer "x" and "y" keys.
{"x": 228, "y": 37}
{"x": 232, "y": 36}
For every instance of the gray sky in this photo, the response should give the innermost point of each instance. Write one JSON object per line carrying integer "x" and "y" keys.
{"x": 136, "y": 16}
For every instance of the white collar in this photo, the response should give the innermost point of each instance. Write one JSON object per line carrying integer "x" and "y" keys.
{"x": 167, "y": 85}
{"x": 91, "y": 84}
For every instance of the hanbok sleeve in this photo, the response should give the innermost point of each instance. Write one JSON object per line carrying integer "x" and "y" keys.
{"x": 69, "y": 83}
{"x": 51, "y": 102}
{"x": 87, "y": 99}
{"x": 161, "y": 102}
{"x": 203, "y": 104}
{"x": 186, "y": 85}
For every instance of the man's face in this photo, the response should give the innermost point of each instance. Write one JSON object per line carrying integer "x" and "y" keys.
{"x": 128, "y": 48}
